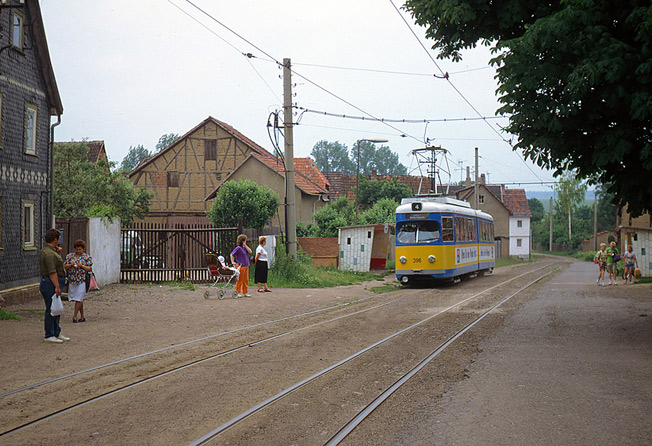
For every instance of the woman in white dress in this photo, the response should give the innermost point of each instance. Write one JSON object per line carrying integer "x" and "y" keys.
{"x": 77, "y": 264}
{"x": 261, "y": 266}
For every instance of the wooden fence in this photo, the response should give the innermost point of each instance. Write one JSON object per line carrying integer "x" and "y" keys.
{"x": 157, "y": 253}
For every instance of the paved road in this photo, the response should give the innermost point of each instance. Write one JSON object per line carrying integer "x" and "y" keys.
{"x": 571, "y": 366}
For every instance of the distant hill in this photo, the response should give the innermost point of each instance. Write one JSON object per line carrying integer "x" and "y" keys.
{"x": 544, "y": 196}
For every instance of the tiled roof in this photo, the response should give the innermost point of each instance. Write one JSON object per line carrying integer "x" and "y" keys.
{"x": 310, "y": 170}
{"x": 300, "y": 179}
{"x": 516, "y": 201}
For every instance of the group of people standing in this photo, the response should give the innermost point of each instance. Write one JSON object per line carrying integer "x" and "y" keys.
{"x": 240, "y": 259}
{"x": 54, "y": 274}
{"x": 608, "y": 258}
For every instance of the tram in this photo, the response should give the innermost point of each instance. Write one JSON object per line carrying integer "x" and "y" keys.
{"x": 442, "y": 238}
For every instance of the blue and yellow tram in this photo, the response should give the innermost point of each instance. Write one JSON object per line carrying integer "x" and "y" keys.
{"x": 442, "y": 238}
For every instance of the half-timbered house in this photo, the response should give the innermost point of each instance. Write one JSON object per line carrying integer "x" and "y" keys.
{"x": 185, "y": 177}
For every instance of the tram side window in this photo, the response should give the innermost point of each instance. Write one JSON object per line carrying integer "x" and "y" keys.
{"x": 428, "y": 231}
{"x": 407, "y": 233}
{"x": 447, "y": 229}
{"x": 471, "y": 233}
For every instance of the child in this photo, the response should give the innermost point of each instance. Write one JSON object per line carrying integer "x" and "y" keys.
{"x": 630, "y": 263}
{"x": 601, "y": 260}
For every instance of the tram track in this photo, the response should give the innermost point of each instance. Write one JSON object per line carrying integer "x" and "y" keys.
{"x": 255, "y": 341}
{"x": 216, "y": 436}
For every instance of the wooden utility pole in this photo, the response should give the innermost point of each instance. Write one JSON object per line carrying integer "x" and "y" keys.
{"x": 595, "y": 220}
{"x": 550, "y": 247}
{"x": 290, "y": 199}
{"x": 475, "y": 188}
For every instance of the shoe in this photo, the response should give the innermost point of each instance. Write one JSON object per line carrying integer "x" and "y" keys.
{"x": 54, "y": 340}
{"x": 268, "y": 290}
{"x": 247, "y": 295}
{"x": 63, "y": 338}
{"x": 261, "y": 291}
{"x": 602, "y": 283}
{"x": 74, "y": 321}
{"x": 82, "y": 320}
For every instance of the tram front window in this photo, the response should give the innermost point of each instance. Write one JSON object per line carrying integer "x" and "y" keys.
{"x": 428, "y": 231}
{"x": 407, "y": 233}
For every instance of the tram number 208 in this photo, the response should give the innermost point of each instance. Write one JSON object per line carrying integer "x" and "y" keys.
{"x": 416, "y": 260}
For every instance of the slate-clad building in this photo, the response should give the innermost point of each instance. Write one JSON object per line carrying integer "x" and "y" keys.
{"x": 28, "y": 98}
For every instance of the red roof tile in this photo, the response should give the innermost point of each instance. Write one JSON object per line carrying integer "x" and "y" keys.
{"x": 516, "y": 201}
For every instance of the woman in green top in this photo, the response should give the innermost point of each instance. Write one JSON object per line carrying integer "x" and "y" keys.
{"x": 612, "y": 252}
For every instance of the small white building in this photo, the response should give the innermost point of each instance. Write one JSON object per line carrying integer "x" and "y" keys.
{"x": 515, "y": 201}
{"x": 362, "y": 247}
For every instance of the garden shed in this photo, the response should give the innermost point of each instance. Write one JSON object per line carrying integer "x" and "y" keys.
{"x": 363, "y": 247}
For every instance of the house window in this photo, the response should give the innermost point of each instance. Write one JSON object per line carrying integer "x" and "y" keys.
{"x": 368, "y": 234}
{"x": 1, "y": 121}
{"x": 18, "y": 30}
{"x": 173, "y": 179}
{"x": 519, "y": 242}
{"x": 481, "y": 199}
{"x": 210, "y": 149}
{"x": 519, "y": 223}
{"x": 30, "y": 129}
{"x": 28, "y": 224}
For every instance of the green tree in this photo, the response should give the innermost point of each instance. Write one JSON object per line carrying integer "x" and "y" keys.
{"x": 133, "y": 158}
{"x": 82, "y": 188}
{"x": 536, "y": 208}
{"x": 570, "y": 193}
{"x": 333, "y": 215}
{"x": 166, "y": 140}
{"x": 607, "y": 211}
{"x": 575, "y": 79}
{"x": 383, "y": 211}
{"x": 372, "y": 191}
{"x": 331, "y": 156}
{"x": 245, "y": 200}
{"x": 381, "y": 159}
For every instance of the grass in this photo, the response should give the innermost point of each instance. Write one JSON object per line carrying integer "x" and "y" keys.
{"x": 300, "y": 273}
{"x": 6, "y": 315}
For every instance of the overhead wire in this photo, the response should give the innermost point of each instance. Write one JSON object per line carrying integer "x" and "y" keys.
{"x": 456, "y": 89}
{"x": 403, "y": 121}
{"x": 401, "y": 133}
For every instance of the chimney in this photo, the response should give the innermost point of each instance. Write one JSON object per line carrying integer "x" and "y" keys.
{"x": 468, "y": 176}
{"x": 483, "y": 179}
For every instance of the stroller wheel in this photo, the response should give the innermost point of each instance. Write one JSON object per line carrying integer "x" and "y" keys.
{"x": 220, "y": 294}
{"x": 207, "y": 294}
{"x": 234, "y": 294}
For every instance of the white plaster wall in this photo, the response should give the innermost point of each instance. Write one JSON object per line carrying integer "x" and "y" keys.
{"x": 522, "y": 233}
{"x": 357, "y": 255}
{"x": 642, "y": 245}
{"x": 103, "y": 245}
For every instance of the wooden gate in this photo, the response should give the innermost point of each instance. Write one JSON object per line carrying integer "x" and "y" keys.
{"x": 154, "y": 253}
{"x": 71, "y": 229}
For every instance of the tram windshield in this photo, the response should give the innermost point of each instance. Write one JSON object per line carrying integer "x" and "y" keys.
{"x": 419, "y": 232}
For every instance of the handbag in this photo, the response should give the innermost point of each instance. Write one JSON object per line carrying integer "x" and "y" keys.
{"x": 56, "y": 309}
{"x": 92, "y": 284}
{"x": 616, "y": 257}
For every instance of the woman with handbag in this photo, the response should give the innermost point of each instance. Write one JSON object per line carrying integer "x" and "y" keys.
{"x": 78, "y": 264}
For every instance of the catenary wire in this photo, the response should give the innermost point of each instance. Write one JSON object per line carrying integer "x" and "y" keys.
{"x": 457, "y": 90}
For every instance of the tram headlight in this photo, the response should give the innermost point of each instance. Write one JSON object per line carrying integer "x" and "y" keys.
{"x": 431, "y": 258}
{"x": 402, "y": 259}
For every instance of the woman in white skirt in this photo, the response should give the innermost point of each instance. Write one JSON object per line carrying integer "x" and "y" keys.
{"x": 77, "y": 264}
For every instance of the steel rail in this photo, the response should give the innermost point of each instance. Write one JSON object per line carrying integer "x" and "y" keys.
{"x": 212, "y": 434}
{"x": 355, "y": 421}
{"x": 183, "y": 344}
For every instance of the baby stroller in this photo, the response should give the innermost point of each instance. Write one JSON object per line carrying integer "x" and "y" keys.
{"x": 223, "y": 275}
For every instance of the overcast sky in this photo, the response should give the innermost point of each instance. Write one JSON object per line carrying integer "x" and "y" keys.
{"x": 131, "y": 71}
